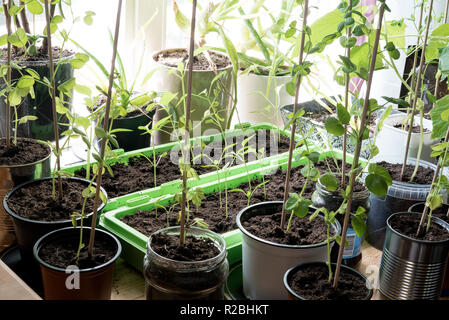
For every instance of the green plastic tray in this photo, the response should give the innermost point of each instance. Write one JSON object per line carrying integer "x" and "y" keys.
{"x": 172, "y": 187}
{"x": 134, "y": 242}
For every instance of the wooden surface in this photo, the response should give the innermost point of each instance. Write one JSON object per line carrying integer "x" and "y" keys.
{"x": 12, "y": 287}
{"x": 130, "y": 285}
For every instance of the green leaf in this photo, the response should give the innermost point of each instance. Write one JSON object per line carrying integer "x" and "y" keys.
{"x": 358, "y": 225}
{"x": 25, "y": 82}
{"x": 443, "y": 57}
{"x": 67, "y": 86}
{"x": 290, "y": 87}
{"x": 103, "y": 197}
{"x": 302, "y": 208}
{"x": 439, "y": 125}
{"x": 329, "y": 181}
{"x": 313, "y": 156}
{"x": 380, "y": 171}
{"x": 25, "y": 119}
{"x": 3, "y": 40}
{"x": 439, "y": 38}
{"x": 34, "y": 7}
{"x": 181, "y": 20}
{"x": 343, "y": 114}
{"x": 376, "y": 184}
{"x": 400, "y": 102}
{"x": 348, "y": 65}
{"x": 100, "y": 133}
{"x": 334, "y": 126}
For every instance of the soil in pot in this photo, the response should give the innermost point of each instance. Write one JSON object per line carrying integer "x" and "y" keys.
{"x": 423, "y": 176}
{"x": 311, "y": 282}
{"x": 408, "y": 226}
{"x": 35, "y": 201}
{"x": 214, "y": 215}
{"x": 25, "y": 152}
{"x": 139, "y": 173}
{"x": 41, "y": 55}
{"x": 62, "y": 253}
{"x": 171, "y": 58}
{"x": 415, "y": 129}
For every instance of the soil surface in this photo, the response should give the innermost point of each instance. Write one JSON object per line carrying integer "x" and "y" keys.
{"x": 35, "y": 201}
{"x": 311, "y": 282}
{"x": 62, "y": 253}
{"x": 415, "y": 129}
{"x": 213, "y": 206}
{"x": 139, "y": 173}
{"x": 408, "y": 225}
{"x": 26, "y": 151}
{"x": 101, "y": 100}
{"x": 41, "y": 55}
{"x": 423, "y": 176}
{"x": 200, "y": 62}
{"x": 194, "y": 248}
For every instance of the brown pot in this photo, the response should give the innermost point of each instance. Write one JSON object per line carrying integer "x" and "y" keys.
{"x": 94, "y": 283}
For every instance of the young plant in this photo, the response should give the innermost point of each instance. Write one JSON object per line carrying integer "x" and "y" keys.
{"x": 249, "y": 194}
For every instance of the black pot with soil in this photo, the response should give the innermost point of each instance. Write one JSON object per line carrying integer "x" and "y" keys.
{"x": 41, "y": 105}
{"x": 400, "y": 196}
{"x": 331, "y": 200}
{"x": 65, "y": 278}
{"x": 26, "y": 161}
{"x": 310, "y": 281}
{"x": 197, "y": 270}
{"x": 35, "y": 213}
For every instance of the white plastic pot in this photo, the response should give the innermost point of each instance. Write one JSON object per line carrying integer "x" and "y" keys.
{"x": 264, "y": 263}
{"x": 391, "y": 141}
{"x": 253, "y": 103}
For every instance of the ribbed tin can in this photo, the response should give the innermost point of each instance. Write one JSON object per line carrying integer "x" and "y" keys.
{"x": 412, "y": 269}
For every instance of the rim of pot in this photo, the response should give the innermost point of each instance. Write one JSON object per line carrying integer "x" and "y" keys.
{"x": 423, "y": 203}
{"x": 28, "y": 164}
{"x": 337, "y": 192}
{"x": 436, "y": 220}
{"x": 16, "y": 216}
{"x": 336, "y": 225}
{"x": 397, "y": 115}
{"x": 156, "y": 53}
{"x": 368, "y": 284}
{"x": 41, "y": 242}
{"x": 34, "y": 63}
{"x": 212, "y": 235}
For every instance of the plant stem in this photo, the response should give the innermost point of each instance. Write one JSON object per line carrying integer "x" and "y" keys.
{"x": 8, "y": 106}
{"x": 45, "y": 42}
{"x": 355, "y": 161}
{"x": 415, "y": 61}
{"x": 105, "y": 126}
{"x": 347, "y": 80}
{"x": 187, "y": 120}
{"x": 53, "y": 102}
{"x": 415, "y": 98}
{"x": 295, "y": 110}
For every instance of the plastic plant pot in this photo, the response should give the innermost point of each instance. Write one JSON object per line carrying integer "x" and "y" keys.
{"x": 10, "y": 177}
{"x": 400, "y": 196}
{"x": 40, "y": 106}
{"x": 94, "y": 283}
{"x": 292, "y": 295}
{"x": 168, "y": 279}
{"x": 419, "y": 207}
{"x": 29, "y": 231}
{"x": 168, "y": 79}
{"x": 264, "y": 263}
{"x": 412, "y": 269}
{"x": 391, "y": 141}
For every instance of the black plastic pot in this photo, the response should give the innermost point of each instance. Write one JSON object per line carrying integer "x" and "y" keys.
{"x": 292, "y": 295}
{"x": 400, "y": 196}
{"x": 40, "y": 106}
{"x": 331, "y": 200}
{"x": 94, "y": 283}
{"x": 419, "y": 207}
{"x": 29, "y": 231}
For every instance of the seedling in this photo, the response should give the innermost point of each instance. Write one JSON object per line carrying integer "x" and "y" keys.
{"x": 249, "y": 194}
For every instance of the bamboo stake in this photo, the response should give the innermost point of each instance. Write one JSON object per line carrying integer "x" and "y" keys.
{"x": 295, "y": 110}
{"x": 187, "y": 130}
{"x": 359, "y": 146}
{"x": 105, "y": 127}
{"x": 347, "y": 79}
{"x": 415, "y": 61}
{"x": 53, "y": 100}
{"x": 446, "y": 10}
{"x": 6, "y": 6}
{"x": 437, "y": 79}
{"x": 415, "y": 98}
